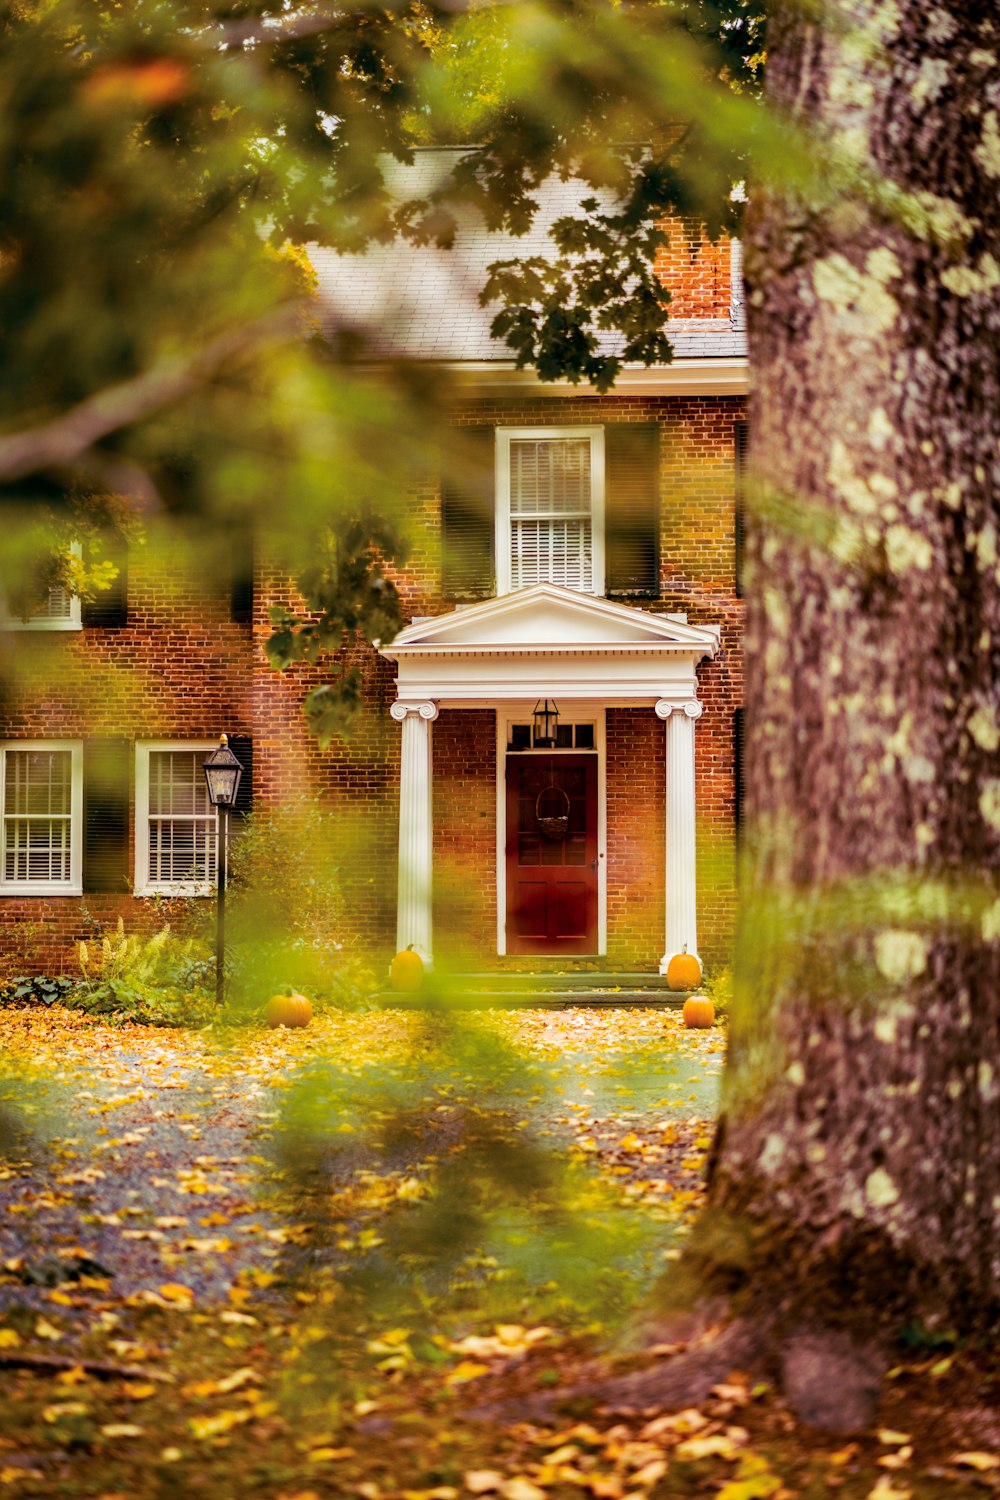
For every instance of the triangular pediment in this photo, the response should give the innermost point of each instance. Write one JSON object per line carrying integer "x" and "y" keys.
{"x": 547, "y": 617}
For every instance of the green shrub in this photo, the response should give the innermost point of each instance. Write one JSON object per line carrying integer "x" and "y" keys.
{"x": 719, "y": 989}
{"x": 37, "y": 989}
{"x": 161, "y": 980}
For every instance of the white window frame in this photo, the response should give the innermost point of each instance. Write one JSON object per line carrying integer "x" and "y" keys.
{"x": 72, "y": 621}
{"x": 74, "y": 885}
{"x": 144, "y": 886}
{"x": 504, "y": 437}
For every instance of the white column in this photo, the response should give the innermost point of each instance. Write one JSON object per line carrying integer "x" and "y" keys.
{"x": 681, "y": 916}
{"x": 413, "y": 903}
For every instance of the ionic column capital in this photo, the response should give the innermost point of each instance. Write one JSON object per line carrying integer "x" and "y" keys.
{"x": 693, "y": 708}
{"x": 399, "y": 710}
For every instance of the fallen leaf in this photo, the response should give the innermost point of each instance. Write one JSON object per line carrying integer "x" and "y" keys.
{"x": 122, "y": 1430}
{"x": 982, "y": 1462}
{"x": 233, "y": 1382}
{"x": 886, "y": 1489}
{"x": 175, "y": 1292}
{"x": 717, "y": 1445}
{"x": 465, "y": 1370}
{"x": 482, "y": 1481}
{"x": 519, "y": 1488}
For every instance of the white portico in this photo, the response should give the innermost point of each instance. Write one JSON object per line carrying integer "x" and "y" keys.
{"x": 586, "y": 653}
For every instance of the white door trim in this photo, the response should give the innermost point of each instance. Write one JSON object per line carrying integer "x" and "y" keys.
{"x": 569, "y": 713}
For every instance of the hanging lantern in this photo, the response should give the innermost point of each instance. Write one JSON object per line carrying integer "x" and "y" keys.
{"x": 222, "y": 773}
{"x": 546, "y": 718}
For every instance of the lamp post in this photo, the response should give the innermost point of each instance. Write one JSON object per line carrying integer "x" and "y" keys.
{"x": 222, "y": 775}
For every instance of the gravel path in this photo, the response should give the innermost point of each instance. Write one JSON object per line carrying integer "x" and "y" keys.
{"x": 150, "y": 1159}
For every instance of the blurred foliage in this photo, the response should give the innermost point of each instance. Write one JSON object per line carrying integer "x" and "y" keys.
{"x": 285, "y": 909}
{"x": 719, "y": 989}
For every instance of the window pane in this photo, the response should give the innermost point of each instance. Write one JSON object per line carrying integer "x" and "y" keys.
{"x": 585, "y": 736}
{"x": 552, "y": 552}
{"x": 549, "y": 476}
{"x": 37, "y": 835}
{"x": 182, "y": 822}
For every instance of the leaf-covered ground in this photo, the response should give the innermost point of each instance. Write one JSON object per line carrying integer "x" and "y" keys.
{"x": 209, "y": 1280}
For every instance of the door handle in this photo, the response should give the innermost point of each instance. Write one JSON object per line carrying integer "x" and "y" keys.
{"x": 593, "y": 865}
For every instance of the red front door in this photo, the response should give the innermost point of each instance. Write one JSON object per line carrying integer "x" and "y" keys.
{"x": 551, "y": 854}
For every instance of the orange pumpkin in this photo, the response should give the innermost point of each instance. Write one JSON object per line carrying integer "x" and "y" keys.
{"x": 288, "y": 1010}
{"x": 684, "y": 971}
{"x": 406, "y": 972}
{"x": 698, "y": 1011}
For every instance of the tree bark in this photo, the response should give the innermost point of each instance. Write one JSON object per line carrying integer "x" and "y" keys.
{"x": 856, "y": 1185}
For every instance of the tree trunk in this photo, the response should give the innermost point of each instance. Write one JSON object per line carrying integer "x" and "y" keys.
{"x": 857, "y": 1178}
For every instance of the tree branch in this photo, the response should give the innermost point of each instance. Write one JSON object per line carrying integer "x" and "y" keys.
{"x": 68, "y": 439}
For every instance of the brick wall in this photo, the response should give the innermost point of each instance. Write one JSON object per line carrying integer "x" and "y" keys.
{"x": 697, "y": 272}
{"x": 465, "y": 837}
{"x": 179, "y": 669}
{"x": 182, "y": 669}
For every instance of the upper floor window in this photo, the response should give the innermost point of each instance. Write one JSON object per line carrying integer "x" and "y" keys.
{"x": 176, "y": 825}
{"x": 550, "y": 507}
{"x": 41, "y": 813}
{"x": 59, "y": 610}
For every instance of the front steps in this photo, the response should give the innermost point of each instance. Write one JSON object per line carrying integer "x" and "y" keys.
{"x": 552, "y": 990}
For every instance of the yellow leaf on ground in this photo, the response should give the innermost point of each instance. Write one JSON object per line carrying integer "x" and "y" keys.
{"x": 122, "y": 1430}
{"x": 46, "y": 1330}
{"x": 979, "y": 1461}
{"x": 887, "y": 1489}
{"x": 897, "y": 1460}
{"x": 717, "y": 1445}
{"x": 650, "y": 1473}
{"x": 755, "y": 1487}
{"x": 519, "y": 1488}
{"x": 890, "y": 1438}
{"x": 9, "y": 1338}
{"x": 329, "y": 1455}
{"x": 176, "y": 1292}
{"x": 239, "y": 1377}
{"x": 482, "y": 1481}
{"x": 209, "y": 1427}
{"x": 465, "y": 1370}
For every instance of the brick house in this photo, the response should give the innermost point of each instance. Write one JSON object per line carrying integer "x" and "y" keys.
{"x": 582, "y": 554}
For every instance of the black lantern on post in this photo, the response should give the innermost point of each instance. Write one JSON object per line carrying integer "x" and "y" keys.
{"x": 222, "y": 775}
{"x": 546, "y": 718}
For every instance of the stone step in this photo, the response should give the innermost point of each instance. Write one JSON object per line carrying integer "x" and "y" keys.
{"x": 544, "y": 999}
{"x": 577, "y": 979}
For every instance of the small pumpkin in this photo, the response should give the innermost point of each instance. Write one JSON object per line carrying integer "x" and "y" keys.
{"x": 698, "y": 1011}
{"x": 684, "y": 971}
{"x": 406, "y": 972}
{"x": 288, "y": 1010}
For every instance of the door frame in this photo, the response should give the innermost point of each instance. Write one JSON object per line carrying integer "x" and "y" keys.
{"x": 569, "y": 712}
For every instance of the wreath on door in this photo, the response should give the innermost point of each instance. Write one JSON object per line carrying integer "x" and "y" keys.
{"x": 552, "y": 825}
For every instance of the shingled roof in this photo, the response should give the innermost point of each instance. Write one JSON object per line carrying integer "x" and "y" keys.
{"x": 420, "y": 302}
